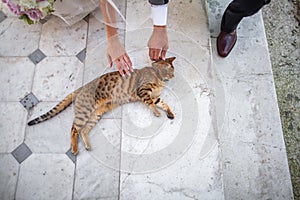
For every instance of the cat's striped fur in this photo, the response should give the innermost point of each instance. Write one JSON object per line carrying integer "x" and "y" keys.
{"x": 110, "y": 90}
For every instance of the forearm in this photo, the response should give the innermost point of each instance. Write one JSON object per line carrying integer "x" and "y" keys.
{"x": 109, "y": 18}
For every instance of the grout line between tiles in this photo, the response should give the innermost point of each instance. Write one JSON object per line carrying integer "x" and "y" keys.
{"x": 74, "y": 177}
{"x": 16, "y": 188}
{"x": 86, "y": 43}
{"x": 121, "y": 131}
{"x": 27, "y": 113}
{"x": 82, "y": 82}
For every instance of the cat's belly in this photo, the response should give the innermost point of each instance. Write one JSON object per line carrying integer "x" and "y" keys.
{"x": 124, "y": 98}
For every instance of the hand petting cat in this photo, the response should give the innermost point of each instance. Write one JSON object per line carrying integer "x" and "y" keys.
{"x": 116, "y": 54}
{"x": 157, "y": 44}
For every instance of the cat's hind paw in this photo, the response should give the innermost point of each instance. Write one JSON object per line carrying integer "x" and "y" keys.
{"x": 170, "y": 115}
{"x": 74, "y": 151}
{"x": 88, "y": 147}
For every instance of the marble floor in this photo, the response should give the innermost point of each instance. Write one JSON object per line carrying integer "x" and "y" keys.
{"x": 225, "y": 141}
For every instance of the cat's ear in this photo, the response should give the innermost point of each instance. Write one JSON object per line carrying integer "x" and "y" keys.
{"x": 170, "y": 60}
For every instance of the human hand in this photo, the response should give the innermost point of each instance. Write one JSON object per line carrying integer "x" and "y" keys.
{"x": 116, "y": 54}
{"x": 158, "y": 43}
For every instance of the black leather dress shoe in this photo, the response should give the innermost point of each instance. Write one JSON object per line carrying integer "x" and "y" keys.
{"x": 226, "y": 42}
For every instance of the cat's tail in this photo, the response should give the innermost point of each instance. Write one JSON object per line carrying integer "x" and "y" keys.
{"x": 56, "y": 110}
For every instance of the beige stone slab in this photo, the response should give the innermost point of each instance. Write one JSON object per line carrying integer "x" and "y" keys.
{"x": 12, "y": 125}
{"x": 56, "y": 77}
{"x": 96, "y": 62}
{"x": 16, "y": 76}
{"x": 9, "y": 171}
{"x": 46, "y": 176}
{"x": 94, "y": 180}
{"x": 190, "y": 177}
{"x": 97, "y": 171}
{"x": 165, "y": 159}
{"x": 252, "y": 129}
{"x": 248, "y": 116}
{"x": 53, "y": 135}
{"x": 59, "y": 39}
{"x": 18, "y": 38}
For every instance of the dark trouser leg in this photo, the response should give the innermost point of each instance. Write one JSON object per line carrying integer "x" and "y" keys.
{"x": 238, "y": 9}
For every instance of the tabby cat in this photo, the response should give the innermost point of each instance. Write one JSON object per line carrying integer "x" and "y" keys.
{"x": 110, "y": 90}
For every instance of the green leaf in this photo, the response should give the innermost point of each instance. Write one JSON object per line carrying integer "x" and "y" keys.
{"x": 26, "y": 19}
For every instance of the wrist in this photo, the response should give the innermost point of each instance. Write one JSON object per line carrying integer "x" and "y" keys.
{"x": 159, "y": 29}
{"x": 111, "y": 31}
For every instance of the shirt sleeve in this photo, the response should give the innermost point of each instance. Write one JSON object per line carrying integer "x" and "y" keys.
{"x": 159, "y": 12}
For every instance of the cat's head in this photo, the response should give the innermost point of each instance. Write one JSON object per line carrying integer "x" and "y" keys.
{"x": 165, "y": 68}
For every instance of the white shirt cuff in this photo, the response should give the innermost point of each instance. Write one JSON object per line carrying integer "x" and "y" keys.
{"x": 159, "y": 14}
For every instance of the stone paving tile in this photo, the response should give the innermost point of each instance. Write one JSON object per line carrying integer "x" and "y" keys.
{"x": 9, "y": 170}
{"x": 17, "y": 38}
{"x": 190, "y": 177}
{"x": 249, "y": 56}
{"x": 53, "y": 135}
{"x": 105, "y": 141}
{"x": 96, "y": 62}
{"x": 160, "y": 155}
{"x": 251, "y": 128}
{"x": 193, "y": 24}
{"x": 56, "y": 77}
{"x": 2, "y": 16}
{"x": 59, "y": 39}
{"x": 46, "y": 176}
{"x": 94, "y": 180}
{"x": 71, "y": 156}
{"x": 37, "y": 56}
{"x": 97, "y": 171}
{"x": 250, "y": 108}
{"x": 16, "y": 76}
{"x": 12, "y": 125}
{"x": 81, "y": 55}
{"x": 29, "y": 101}
{"x": 153, "y": 146}
{"x": 21, "y": 153}
{"x": 215, "y": 12}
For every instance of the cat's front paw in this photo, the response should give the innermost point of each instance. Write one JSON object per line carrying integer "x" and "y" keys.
{"x": 170, "y": 115}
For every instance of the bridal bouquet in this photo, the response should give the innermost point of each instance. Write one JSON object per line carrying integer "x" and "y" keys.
{"x": 30, "y": 11}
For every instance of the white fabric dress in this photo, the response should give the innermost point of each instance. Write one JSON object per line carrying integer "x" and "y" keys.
{"x": 72, "y": 11}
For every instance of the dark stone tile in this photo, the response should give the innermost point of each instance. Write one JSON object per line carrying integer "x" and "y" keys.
{"x": 29, "y": 101}
{"x": 37, "y": 56}
{"x": 2, "y": 16}
{"x": 87, "y": 18}
{"x": 21, "y": 152}
{"x": 43, "y": 21}
{"x": 71, "y": 156}
{"x": 81, "y": 55}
